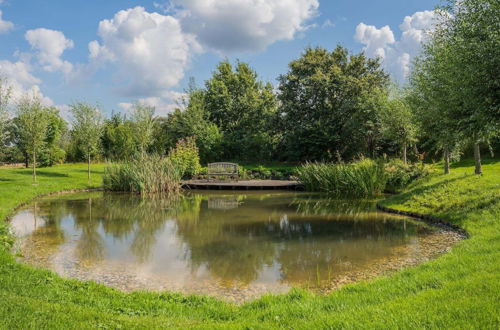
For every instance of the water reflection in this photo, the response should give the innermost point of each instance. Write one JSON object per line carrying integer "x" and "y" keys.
{"x": 204, "y": 242}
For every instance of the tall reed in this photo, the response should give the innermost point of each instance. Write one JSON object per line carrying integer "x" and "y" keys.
{"x": 148, "y": 174}
{"x": 359, "y": 179}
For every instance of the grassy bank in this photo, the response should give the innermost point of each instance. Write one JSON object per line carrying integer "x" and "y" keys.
{"x": 458, "y": 290}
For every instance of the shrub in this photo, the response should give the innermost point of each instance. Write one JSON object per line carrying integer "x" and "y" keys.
{"x": 185, "y": 157}
{"x": 144, "y": 175}
{"x": 399, "y": 174}
{"x": 358, "y": 179}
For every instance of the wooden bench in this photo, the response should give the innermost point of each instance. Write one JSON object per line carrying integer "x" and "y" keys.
{"x": 229, "y": 170}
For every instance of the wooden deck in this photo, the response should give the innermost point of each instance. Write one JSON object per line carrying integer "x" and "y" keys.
{"x": 243, "y": 185}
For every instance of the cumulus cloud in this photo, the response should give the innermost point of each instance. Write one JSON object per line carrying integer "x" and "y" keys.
{"x": 20, "y": 78}
{"x": 228, "y": 26}
{"x": 149, "y": 50}
{"x": 397, "y": 55}
{"x": 5, "y": 26}
{"x": 163, "y": 105}
{"x": 49, "y": 46}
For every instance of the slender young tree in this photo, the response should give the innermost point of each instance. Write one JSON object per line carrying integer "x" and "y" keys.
{"x": 397, "y": 122}
{"x": 143, "y": 123}
{"x": 5, "y": 96}
{"x": 87, "y": 129}
{"x": 33, "y": 123}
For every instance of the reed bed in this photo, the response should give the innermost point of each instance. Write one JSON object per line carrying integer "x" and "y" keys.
{"x": 148, "y": 174}
{"x": 359, "y": 179}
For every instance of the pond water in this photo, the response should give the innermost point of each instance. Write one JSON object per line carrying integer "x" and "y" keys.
{"x": 235, "y": 245}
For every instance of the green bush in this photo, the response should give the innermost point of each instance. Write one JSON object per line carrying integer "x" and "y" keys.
{"x": 359, "y": 179}
{"x": 399, "y": 174}
{"x": 146, "y": 174}
{"x": 185, "y": 157}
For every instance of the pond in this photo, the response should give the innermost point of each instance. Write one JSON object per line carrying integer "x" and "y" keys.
{"x": 235, "y": 245}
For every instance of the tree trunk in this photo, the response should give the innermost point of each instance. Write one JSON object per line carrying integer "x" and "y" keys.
{"x": 446, "y": 156}
{"x": 89, "y": 168}
{"x": 34, "y": 166}
{"x": 477, "y": 158}
{"x": 405, "y": 161}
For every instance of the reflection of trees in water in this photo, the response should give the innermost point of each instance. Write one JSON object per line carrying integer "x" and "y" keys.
{"x": 301, "y": 236}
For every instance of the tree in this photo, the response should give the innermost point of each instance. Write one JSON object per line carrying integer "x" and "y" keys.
{"x": 5, "y": 96}
{"x": 33, "y": 122}
{"x": 118, "y": 138}
{"x": 323, "y": 96}
{"x": 193, "y": 121}
{"x": 462, "y": 59}
{"x": 398, "y": 123}
{"x": 51, "y": 152}
{"x": 242, "y": 107}
{"x": 87, "y": 129}
{"x": 143, "y": 124}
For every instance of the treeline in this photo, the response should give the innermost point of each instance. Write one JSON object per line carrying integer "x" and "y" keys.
{"x": 331, "y": 106}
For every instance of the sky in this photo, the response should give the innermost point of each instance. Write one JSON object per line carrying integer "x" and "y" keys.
{"x": 116, "y": 52}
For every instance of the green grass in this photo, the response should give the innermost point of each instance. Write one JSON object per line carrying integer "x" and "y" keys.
{"x": 458, "y": 290}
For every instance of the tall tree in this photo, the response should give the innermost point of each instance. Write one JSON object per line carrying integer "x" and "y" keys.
{"x": 143, "y": 123}
{"x": 5, "y": 97}
{"x": 33, "y": 122}
{"x": 87, "y": 129}
{"x": 398, "y": 123}
{"x": 192, "y": 120}
{"x": 242, "y": 108}
{"x": 322, "y": 103}
{"x": 462, "y": 58}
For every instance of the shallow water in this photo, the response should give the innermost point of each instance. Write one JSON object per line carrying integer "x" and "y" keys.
{"x": 235, "y": 245}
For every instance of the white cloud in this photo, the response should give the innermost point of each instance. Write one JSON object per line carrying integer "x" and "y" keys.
{"x": 163, "y": 105}
{"x": 397, "y": 55}
{"x": 150, "y": 51}
{"x": 375, "y": 40}
{"x": 21, "y": 80}
{"x": 228, "y": 26}
{"x": 50, "y": 45}
{"x": 5, "y": 26}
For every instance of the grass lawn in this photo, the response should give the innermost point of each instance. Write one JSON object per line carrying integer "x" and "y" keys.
{"x": 458, "y": 290}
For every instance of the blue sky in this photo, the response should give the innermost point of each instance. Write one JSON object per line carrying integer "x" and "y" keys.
{"x": 147, "y": 51}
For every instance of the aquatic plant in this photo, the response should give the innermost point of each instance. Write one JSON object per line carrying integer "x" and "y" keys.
{"x": 145, "y": 175}
{"x": 358, "y": 179}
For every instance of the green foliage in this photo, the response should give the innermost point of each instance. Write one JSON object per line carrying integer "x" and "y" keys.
{"x": 243, "y": 108}
{"x": 464, "y": 281}
{"x": 118, "y": 139}
{"x": 52, "y": 152}
{"x": 455, "y": 81}
{"x": 143, "y": 125}
{"x": 147, "y": 174}
{"x": 324, "y": 104}
{"x": 192, "y": 121}
{"x": 397, "y": 122}
{"x": 400, "y": 175}
{"x": 5, "y": 96}
{"x": 185, "y": 157}
{"x": 87, "y": 129}
{"x": 32, "y": 119}
{"x": 358, "y": 179}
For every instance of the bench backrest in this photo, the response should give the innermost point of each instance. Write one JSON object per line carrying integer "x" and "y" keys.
{"x": 222, "y": 168}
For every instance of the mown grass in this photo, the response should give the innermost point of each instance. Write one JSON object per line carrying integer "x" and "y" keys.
{"x": 458, "y": 290}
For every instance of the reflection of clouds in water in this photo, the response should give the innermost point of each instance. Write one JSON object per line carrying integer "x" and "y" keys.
{"x": 201, "y": 241}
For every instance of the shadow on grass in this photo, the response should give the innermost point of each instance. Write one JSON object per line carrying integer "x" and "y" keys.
{"x": 470, "y": 163}
{"x": 46, "y": 174}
